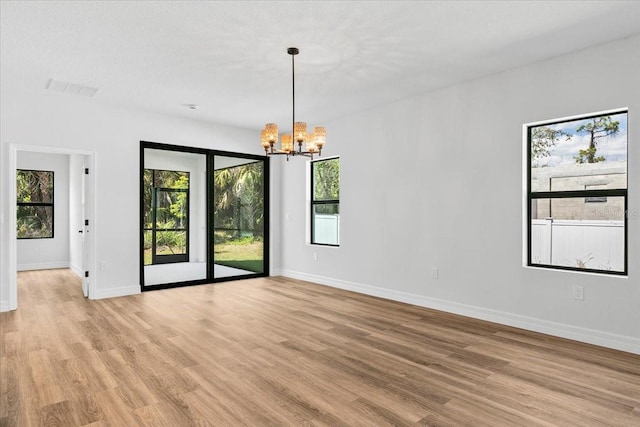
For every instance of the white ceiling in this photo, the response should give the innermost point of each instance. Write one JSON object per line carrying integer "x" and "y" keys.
{"x": 229, "y": 57}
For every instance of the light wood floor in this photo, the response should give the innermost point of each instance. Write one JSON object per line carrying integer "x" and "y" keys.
{"x": 284, "y": 352}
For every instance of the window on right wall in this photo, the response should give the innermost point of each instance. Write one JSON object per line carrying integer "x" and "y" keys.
{"x": 577, "y": 193}
{"x": 325, "y": 202}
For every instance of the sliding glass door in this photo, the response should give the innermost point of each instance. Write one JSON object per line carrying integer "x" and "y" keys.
{"x": 203, "y": 216}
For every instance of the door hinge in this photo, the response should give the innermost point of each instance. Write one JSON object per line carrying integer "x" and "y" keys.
{"x": 86, "y": 274}
{"x": 86, "y": 171}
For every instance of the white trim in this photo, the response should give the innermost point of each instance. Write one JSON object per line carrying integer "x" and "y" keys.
{"x": 577, "y": 117}
{"x": 76, "y": 270}
{"x": 585, "y": 273}
{"x": 13, "y": 240}
{"x": 4, "y": 306}
{"x": 122, "y": 291}
{"x": 12, "y": 255}
{"x": 307, "y": 203}
{"x": 525, "y": 194}
{"x": 43, "y": 266}
{"x": 590, "y": 336}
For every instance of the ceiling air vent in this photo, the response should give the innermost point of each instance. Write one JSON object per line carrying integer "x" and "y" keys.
{"x": 70, "y": 88}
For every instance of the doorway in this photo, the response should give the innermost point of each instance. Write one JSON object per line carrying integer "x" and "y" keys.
{"x": 74, "y": 231}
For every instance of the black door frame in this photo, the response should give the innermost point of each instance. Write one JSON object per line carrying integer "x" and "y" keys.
{"x": 167, "y": 259}
{"x": 209, "y": 153}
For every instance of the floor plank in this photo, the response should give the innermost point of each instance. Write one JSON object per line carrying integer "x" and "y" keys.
{"x": 279, "y": 351}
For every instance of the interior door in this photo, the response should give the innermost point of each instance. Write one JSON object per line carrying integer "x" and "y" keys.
{"x": 85, "y": 227}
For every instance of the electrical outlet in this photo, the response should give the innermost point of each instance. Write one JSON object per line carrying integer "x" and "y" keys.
{"x": 434, "y": 273}
{"x": 315, "y": 256}
{"x": 578, "y": 292}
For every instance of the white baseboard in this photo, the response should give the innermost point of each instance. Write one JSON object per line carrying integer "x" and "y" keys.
{"x": 4, "y": 306}
{"x": 122, "y": 291}
{"x": 590, "y": 336}
{"x": 77, "y": 270}
{"x": 43, "y": 266}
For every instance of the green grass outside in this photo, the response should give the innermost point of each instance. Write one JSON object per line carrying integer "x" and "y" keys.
{"x": 243, "y": 255}
{"x": 162, "y": 251}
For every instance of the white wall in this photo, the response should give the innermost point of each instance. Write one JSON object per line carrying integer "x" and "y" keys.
{"x": 38, "y": 254}
{"x": 435, "y": 181}
{"x": 114, "y": 134}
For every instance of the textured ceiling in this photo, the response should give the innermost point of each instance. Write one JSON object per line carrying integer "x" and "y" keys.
{"x": 230, "y": 57}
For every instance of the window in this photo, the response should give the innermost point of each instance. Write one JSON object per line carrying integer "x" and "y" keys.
{"x": 34, "y": 191}
{"x": 325, "y": 202}
{"x": 577, "y": 194}
{"x": 600, "y": 199}
{"x": 166, "y": 216}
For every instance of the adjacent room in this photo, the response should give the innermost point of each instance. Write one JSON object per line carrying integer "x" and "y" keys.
{"x": 352, "y": 213}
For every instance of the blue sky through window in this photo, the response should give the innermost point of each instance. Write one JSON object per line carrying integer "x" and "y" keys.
{"x": 612, "y": 148}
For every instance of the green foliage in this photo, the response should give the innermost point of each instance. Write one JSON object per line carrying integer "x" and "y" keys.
{"x": 166, "y": 196}
{"x": 238, "y": 199}
{"x": 171, "y": 242}
{"x": 170, "y": 205}
{"x": 326, "y": 179}
{"x": 34, "y": 222}
{"x": 327, "y": 209}
{"x": 597, "y": 128}
{"x": 543, "y": 139}
{"x": 588, "y": 156}
{"x": 34, "y": 187}
{"x": 228, "y": 239}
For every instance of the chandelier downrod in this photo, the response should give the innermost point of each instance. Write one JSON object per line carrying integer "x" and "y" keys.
{"x": 293, "y": 51}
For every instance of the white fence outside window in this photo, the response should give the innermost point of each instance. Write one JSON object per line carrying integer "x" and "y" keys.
{"x": 578, "y": 243}
{"x": 327, "y": 229}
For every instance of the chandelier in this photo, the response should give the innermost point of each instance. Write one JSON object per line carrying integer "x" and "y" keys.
{"x": 313, "y": 141}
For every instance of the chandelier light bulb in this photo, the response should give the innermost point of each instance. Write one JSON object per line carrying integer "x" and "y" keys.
{"x": 300, "y": 131}
{"x": 319, "y": 137}
{"x": 311, "y": 145}
{"x": 287, "y": 143}
{"x": 271, "y": 133}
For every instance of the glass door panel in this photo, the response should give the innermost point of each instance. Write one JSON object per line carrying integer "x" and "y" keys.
{"x": 170, "y": 233}
{"x": 173, "y": 216}
{"x": 238, "y": 217}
